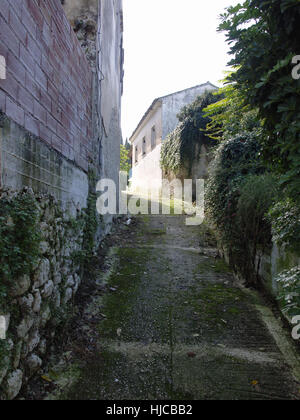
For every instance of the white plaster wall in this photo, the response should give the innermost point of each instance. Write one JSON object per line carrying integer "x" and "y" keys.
{"x": 110, "y": 79}
{"x": 147, "y": 174}
{"x": 154, "y": 119}
{"x": 110, "y": 59}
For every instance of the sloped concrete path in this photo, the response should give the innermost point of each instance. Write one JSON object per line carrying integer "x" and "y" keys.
{"x": 175, "y": 325}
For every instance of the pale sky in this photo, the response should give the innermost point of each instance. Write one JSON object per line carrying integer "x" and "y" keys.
{"x": 170, "y": 45}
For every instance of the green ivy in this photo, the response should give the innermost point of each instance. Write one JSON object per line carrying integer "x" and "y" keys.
{"x": 179, "y": 148}
{"x": 19, "y": 239}
{"x": 239, "y": 193}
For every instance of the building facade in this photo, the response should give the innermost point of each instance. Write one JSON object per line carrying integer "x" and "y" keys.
{"x": 159, "y": 121}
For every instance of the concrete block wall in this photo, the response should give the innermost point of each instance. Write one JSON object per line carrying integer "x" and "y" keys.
{"x": 26, "y": 160}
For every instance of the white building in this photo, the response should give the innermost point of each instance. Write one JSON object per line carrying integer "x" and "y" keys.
{"x": 159, "y": 121}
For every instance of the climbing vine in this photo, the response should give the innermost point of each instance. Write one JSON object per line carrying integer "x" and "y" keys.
{"x": 19, "y": 239}
{"x": 179, "y": 149}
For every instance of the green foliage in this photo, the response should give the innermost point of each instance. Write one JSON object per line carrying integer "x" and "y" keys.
{"x": 172, "y": 150}
{"x": 125, "y": 163}
{"x": 179, "y": 149}
{"x": 234, "y": 160}
{"x": 285, "y": 217}
{"x": 230, "y": 116}
{"x": 194, "y": 111}
{"x": 258, "y": 193}
{"x": 264, "y": 36}
{"x": 239, "y": 193}
{"x": 289, "y": 296}
{"x": 19, "y": 238}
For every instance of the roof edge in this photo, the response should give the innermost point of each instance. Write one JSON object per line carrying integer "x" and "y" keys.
{"x": 144, "y": 117}
{"x": 163, "y": 97}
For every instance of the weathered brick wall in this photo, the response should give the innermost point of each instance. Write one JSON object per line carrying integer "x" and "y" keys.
{"x": 48, "y": 88}
{"x": 59, "y": 128}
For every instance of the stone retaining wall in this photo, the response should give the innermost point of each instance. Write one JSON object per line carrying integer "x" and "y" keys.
{"x": 39, "y": 300}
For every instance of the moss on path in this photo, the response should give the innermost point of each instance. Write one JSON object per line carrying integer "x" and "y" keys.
{"x": 175, "y": 325}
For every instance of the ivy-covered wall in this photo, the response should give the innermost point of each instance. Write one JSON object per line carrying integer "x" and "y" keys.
{"x": 40, "y": 272}
{"x": 186, "y": 152}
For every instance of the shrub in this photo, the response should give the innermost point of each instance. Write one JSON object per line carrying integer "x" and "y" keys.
{"x": 238, "y": 196}
{"x": 234, "y": 159}
{"x": 125, "y": 163}
{"x": 257, "y": 195}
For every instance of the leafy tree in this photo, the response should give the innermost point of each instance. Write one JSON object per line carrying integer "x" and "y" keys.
{"x": 125, "y": 163}
{"x": 230, "y": 116}
{"x": 127, "y": 145}
{"x": 264, "y": 37}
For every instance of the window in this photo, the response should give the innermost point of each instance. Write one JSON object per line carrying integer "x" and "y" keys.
{"x": 144, "y": 146}
{"x": 153, "y": 137}
{"x": 136, "y": 154}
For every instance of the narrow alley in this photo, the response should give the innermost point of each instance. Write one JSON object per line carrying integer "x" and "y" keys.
{"x": 174, "y": 324}
{"x": 111, "y": 113}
